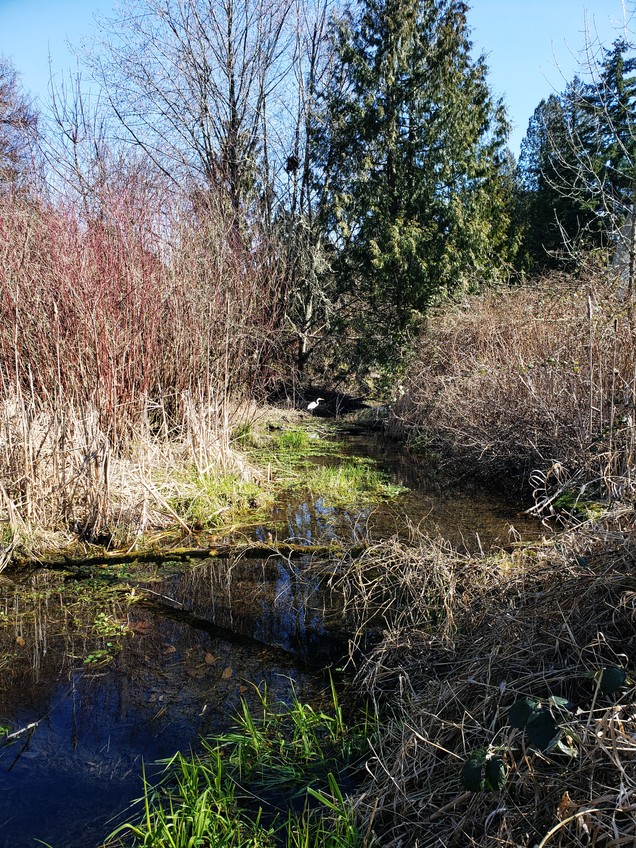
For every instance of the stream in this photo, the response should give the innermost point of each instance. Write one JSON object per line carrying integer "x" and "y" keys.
{"x": 92, "y": 687}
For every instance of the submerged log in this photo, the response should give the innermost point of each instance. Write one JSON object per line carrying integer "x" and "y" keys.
{"x": 254, "y": 550}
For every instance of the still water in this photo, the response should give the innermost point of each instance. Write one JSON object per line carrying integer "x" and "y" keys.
{"x": 92, "y": 687}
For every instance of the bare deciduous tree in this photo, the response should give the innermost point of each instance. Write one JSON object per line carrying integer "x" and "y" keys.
{"x": 18, "y": 126}
{"x": 310, "y": 302}
{"x": 189, "y": 80}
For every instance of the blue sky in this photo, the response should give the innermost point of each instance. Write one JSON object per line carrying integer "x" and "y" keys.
{"x": 532, "y": 47}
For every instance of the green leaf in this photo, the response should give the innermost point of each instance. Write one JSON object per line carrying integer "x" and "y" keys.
{"x": 612, "y": 679}
{"x": 562, "y": 704}
{"x": 520, "y": 712}
{"x": 542, "y": 730}
{"x": 496, "y": 773}
{"x": 472, "y": 774}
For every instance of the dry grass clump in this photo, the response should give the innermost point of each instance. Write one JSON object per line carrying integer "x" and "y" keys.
{"x": 520, "y": 378}
{"x": 61, "y": 478}
{"x": 463, "y": 640}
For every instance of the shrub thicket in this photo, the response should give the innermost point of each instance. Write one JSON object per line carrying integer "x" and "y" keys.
{"x": 533, "y": 377}
{"x": 134, "y": 323}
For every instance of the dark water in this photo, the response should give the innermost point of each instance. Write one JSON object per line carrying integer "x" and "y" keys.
{"x": 88, "y": 726}
{"x": 154, "y": 684}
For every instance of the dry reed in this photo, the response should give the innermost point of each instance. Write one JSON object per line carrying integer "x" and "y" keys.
{"x": 463, "y": 639}
{"x": 532, "y": 377}
{"x": 130, "y": 335}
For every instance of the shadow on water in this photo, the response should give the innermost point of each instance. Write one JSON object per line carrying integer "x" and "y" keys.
{"x": 91, "y": 685}
{"x": 83, "y": 728}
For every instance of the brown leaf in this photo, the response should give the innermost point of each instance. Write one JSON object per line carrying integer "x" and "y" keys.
{"x": 20, "y": 640}
{"x": 210, "y": 659}
{"x": 170, "y": 650}
{"x": 227, "y": 673}
{"x": 565, "y": 807}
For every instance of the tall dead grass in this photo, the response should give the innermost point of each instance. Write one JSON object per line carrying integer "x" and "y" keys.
{"x": 464, "y": 639}
{"x": 130, "y": 335}
{"x": 541, "y": 376}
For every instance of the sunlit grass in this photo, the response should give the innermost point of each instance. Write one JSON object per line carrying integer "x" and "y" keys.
{"x": 212, "y": 500}
{"x": 286, "y": 454}
{"x": 354, "y": 481}
{"x": 275, "y": 780}
{"x": 341, "y": 482}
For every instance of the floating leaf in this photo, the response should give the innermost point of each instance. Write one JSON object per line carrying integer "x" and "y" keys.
{"x": 227, "y": 673}
{"x": 472, "y": 774}
{"x": 612, "y": 679}
{"x": 495, "y": 773}
{"x": 520, "y": 712}
{"x": 542, "y": 729}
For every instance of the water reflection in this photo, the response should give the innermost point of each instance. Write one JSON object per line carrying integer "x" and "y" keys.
{"x": 464, "y": 513}
{"x": 87, "y": 727}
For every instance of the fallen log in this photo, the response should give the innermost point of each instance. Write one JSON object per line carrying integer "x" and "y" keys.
{"x": 252, "y": 550}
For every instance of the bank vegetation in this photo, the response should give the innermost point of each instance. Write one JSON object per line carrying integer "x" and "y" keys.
{"x": 535, "y": 381}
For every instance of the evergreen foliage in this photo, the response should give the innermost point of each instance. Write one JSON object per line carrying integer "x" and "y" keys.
{"x": 577, "y": 171}
{"x": 416, "y": 166}
{"x": 552, "y": 214}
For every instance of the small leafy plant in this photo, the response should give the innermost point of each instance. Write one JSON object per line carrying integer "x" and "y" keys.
{"x": 548, "y": 725}
{"x": 484, "y": 770}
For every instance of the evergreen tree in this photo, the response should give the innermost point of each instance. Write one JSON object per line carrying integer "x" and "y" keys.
{"x": 610, "y": 104}
{"x": 416, "y": 163}
{"x": 577, "y": 170}
{"x": 552, "y": 215}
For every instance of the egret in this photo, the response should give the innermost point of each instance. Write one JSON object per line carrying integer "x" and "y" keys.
{"x": 314, "y": 404}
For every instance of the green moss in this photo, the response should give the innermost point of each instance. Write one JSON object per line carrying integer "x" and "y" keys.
{"x": 579, "y": 506}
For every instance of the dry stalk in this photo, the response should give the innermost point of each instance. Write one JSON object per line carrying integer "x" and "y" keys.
{"x": 466, "y": 639}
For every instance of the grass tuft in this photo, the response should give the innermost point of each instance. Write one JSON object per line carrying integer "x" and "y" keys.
{"x": 354, "y": 481}
{"x": 276, "y": 780}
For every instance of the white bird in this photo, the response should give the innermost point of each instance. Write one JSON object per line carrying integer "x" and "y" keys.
{"x": 314, "y": 404}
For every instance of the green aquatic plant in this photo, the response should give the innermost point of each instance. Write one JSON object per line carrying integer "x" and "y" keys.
{"x": 213, "y": 500}
{"x": 276, "y": 779}
{"x": 102, "y": 656}
{"x": 294, "y": 441}
{"x": 353, "y": 481}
